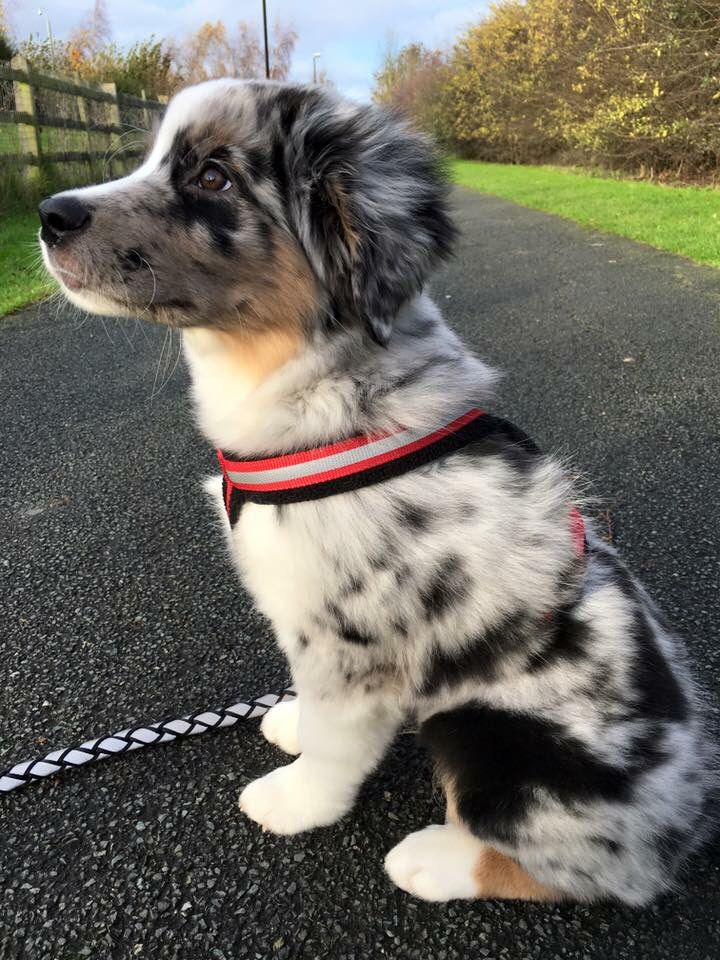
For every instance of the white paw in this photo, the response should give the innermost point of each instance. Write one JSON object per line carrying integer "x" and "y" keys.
{"x": 280, "y": 726}
{"x": 436, "y": 863}
{"x": 290, "y": 800}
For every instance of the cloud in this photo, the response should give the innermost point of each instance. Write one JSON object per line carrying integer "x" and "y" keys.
{"x": 351, "y": 37}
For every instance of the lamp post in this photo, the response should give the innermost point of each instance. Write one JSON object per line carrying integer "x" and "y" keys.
{"x": 316, "y": 57}
{"x": 41, "y": 13}
{"x": 265, "y": 34}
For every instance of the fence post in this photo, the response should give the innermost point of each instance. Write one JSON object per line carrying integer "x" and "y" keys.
{"x": 27, "y": 132}
{"x": 83, "y": 115}
{"x": 114, "y": 119}
{"x": 146, "y": 112}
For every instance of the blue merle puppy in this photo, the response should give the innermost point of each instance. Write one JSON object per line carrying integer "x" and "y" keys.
{"x": 289, "y": 235}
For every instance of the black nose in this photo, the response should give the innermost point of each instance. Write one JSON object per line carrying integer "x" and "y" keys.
{"x": 62, "y": 216}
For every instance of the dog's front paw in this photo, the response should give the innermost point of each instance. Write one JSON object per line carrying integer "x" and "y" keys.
{"x": 280, "y": 726}
{"x": 290, "y": 800}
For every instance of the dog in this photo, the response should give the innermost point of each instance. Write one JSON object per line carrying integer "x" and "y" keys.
{"x": 420, "y": 559}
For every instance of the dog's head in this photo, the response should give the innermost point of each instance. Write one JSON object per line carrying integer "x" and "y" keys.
{"x": 260, "y": 204}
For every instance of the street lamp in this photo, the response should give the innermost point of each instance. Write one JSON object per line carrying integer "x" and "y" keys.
{"x": 316, "y": 57}
{"x": 265, "y": 35}
{"x": 41, "y": 13}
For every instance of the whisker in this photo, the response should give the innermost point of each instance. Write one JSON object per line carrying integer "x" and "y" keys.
{"x": 139, "y": 325}
{"x": 175, "y": 364}
{"x": 119, "y": 323}
{"x": 68, "y": 273}
{"x": 105, "y": 328}
{"x": 108, "y": 160}
{"x": 157, "y": 369}
{"x": 154, "y": 279}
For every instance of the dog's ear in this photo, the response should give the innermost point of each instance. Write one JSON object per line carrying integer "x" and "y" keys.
{"x": 373, "y": 208}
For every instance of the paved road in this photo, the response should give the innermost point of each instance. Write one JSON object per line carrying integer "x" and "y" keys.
{"x": 118, "y": 606}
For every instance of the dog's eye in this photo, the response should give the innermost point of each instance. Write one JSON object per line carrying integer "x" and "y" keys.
{"x": 212, "y": 178}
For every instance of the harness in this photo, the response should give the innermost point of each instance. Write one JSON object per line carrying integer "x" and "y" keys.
{"x": 366, "y": 460}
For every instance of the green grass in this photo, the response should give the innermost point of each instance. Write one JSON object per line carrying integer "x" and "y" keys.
{"x": 9, "y": 138}
{"x": 684, "y": 220}
{"x": 22, "y": 281}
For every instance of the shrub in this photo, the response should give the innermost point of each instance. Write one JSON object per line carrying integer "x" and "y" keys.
{"x": 633, "y": 84}
{"x": 147, "y": 65}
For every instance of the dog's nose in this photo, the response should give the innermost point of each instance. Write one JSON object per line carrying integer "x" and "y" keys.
{"x": 62, "y": 216}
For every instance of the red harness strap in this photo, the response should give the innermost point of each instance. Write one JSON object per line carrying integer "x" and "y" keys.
{"x": 366, "y": 460}
{"x": 577, "y": 529}
{"x": 349, "y": 464}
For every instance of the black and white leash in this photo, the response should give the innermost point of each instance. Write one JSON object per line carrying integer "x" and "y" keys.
{"x": 135, "y": 738}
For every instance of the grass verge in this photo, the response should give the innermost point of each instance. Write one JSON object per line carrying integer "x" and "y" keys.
{"x": 22, "y": 280}
{"x": 684, "y": 220}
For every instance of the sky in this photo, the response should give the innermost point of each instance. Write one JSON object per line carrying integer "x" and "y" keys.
{"x": 351, "y": 35}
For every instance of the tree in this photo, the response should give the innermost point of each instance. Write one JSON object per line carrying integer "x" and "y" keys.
{"x": 94, "y": 32}
{"x": 204, "y": 53}
{"x": 246, "y": 56}
{"x": 282, "y": 51}
{"x": 625, "y": 83}
{"x": 412, "y": 81}
{"x": 496, "y": 95}
{"x": 212, "y": 52}
{"x": 7, "y": 47}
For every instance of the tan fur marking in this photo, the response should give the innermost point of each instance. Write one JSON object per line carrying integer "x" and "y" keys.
{"x": 496, "y": 875}
{"x": 288, "y": 295}
{"x": 266, "y": 329}
{"x": 451, "y": 813}
{"x": 336, "y": 194}
{"x": 254, "y": 354}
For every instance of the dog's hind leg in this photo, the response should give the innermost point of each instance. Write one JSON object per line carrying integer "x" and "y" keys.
{"x": 446, "y": 862}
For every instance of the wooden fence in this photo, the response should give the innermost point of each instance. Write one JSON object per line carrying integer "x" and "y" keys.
{"x": 66, "y": 134}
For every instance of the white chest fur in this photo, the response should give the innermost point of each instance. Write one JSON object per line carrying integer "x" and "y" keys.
{"x": 280, "y": 567}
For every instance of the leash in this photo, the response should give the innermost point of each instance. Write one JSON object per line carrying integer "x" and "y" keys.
{"x": 135, "y": 738}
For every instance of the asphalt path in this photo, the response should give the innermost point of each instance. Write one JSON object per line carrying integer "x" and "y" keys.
{"x": 118, "y": 605}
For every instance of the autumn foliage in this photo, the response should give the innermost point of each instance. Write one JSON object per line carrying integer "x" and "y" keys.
{"x": 160, "y": 67}
{"x": 631, "y": 84}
